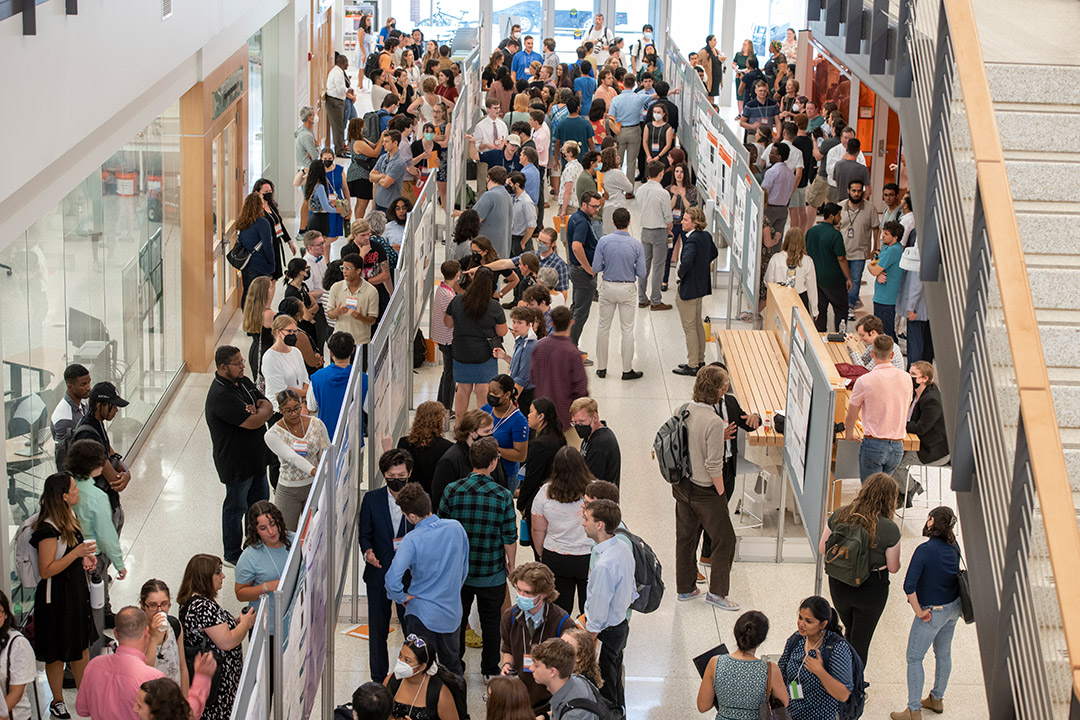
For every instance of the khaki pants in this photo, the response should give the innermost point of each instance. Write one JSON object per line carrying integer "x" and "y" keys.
{"x": 621, "y": 296}
{"x": 693, "y": 329}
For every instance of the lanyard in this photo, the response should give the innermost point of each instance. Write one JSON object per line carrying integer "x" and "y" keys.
{"x": 237, "y": 386}
{"x": 271, "y": 555}
{"x": 798, "y": 674}
{"x": 852, "y": 218}
{"x": 501, "y": 421}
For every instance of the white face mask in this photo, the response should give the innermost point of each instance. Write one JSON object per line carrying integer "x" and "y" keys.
{"x": 795, "y": 107}
{"x": 658, "y": 116}
{"x": 403, "y": 670}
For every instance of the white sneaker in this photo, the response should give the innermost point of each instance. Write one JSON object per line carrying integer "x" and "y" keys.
{"x": 721, "y": 602}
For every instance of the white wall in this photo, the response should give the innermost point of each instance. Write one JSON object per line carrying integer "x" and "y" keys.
{"x": 86, "y": 83}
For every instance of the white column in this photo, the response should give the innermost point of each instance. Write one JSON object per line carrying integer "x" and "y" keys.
{"x": 281, "y": 112}
{"x": 728, "y": 47}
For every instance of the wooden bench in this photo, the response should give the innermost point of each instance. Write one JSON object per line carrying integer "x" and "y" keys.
{"x": 758, "y": 372}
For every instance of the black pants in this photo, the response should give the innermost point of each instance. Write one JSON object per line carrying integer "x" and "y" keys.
{"x": 446, "y": 382}
{"x": 838, "y": 298}
{"x": 448, "y": 646}
{"x": 611, "y": 661}
{"x": 489, "y": 603}
{"x": 571, "y": 574}
{"x": 379, "y": 610}
{"x": 860, "y": 608}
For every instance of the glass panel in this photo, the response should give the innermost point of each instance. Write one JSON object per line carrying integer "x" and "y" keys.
{"x": 573, "y": 19}
{"x": 255, "y": 105}
{"x": 527, "y": 13}
{"x": 764, "y": 22}
{"x": 216, "y": 221}
{"x": 439, "y": 20}
{"x": 230, "y": 183}
{"x": 630, "y": 15}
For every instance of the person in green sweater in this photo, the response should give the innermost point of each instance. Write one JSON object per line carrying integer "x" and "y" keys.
{"x": 85, "y": 460}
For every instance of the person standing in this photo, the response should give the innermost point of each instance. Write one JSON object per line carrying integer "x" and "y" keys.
{"x": 911, "y": 304}
{"x": 336, "y": 88}
{"x": 298, "y": 440}
{"x": 519, "y": 66}
{"x": 933, "y": 591}
{"x": 780, "y": 183}
{"x": 611, "y": 590}
{"x": 486, "y": 511}
{"x": 859, "y": 227}
{"x": 20, "y": 666}
{"x": 442, "y": 334}
{"x": 825, "y": 246}
{"x": 860, "y": 607}
{"x": 557, "y": 370}
{"x": 72, "y": 408}
{"x": 695, "y": 282}
{"x": 621, "y": 260}
{"x": 389, "y": 172}
{"x": 382, "y": 529}
{"x": 599, "y": 446}
{"x": 354, "y": 302}
{"x": 655, "y": 207}
{"x": 627, "y": 108}
{"x": 436, "y": 554}
{"x": 255, "y": 235}
{"x": 582, "y": 243}
{"x": 237, "y": 413}
{"x": 523, "y": 208}
{"x": 713, "y": 63}
{"x": 307, "y": 151}
{"x": 496, "y": 211}
{"x": 882, "y": 397}
{"x": 476, "y": 318}
{"x": 847, "y": 170}
{"x": 886, "y": 268}
{"x": 328, "y": 384}
{"x": 731, "y": 682}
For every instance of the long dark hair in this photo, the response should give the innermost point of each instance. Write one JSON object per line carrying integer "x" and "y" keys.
{"x": 822, "y": 611}
{"x": 502, "y": 75}
{"x": 569, "y": 476}
{"x": 316, "y": 175}
{"x": 391, "y": 215}
{"x": 257, "y": 187}
{"x": 293, "y": 270}
{"x": 56, "y": 510}
{"x": 552, "y": 424}
{"x": 467, "y": 226}
{"x": 944, "y": 522}
{"x": 165, "y": 701}
{"x": 333, "y": 274}
{"x": 425, "y": 655}
{"x": 264, "y": 507}
{"x": 477, "y": 297}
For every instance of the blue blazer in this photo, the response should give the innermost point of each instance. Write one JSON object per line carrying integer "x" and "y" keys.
{"x": 698, "y": 252}
{"x": 259, "y": 241}
{"x": 376, "y": 533}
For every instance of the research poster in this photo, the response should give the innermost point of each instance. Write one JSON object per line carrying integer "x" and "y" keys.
{"x": 314, "y": 557}
{"x": 738, "y": 222}
{"x": 705, "y": 136}
{"x": 724, "y": 177}
{"x": 382, "y": 424}
{"x": 800, "y": 388}
{"x": 753, "y": 243}
{"x": 294, "y": 653}
{"x": 401, "y": 365}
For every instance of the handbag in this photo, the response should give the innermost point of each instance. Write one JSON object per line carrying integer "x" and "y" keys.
{"x": 967, "y": 610}
{"x": 911, "y": 260}
{"x": 771, "y": 708}
{"x": 239, "y": 256}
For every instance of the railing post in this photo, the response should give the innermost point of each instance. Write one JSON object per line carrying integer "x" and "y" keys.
{"x": 904, "y": 75}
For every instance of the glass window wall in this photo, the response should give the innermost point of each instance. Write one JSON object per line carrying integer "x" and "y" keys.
{"x": 439, "y": 20}
{"x": 95, "y": 281}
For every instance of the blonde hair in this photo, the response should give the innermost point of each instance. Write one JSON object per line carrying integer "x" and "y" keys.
{"x": 926, "y": 369}
{"x": 358, "y": 227}
{"x": 698, "y": 216}
{"x": 587, "y": 404}
{"x": 258, "y": 297}
{"x": 521, "y": 103}
{"x": 572, "y": 147}
{"x": 795, "y": 246}
{"x": 429, "y": 85}
{"x": 709, "y": 384}
{"x": 281, "y": 322}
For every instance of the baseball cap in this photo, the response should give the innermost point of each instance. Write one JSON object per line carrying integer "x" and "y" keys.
{"x": 514, "y": 140}
{"x": 106, "y": 392}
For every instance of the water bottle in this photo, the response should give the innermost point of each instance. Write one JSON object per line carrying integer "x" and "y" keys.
{"x": 708, "y": 328}
{"x": 843, "y": 327}
{"x": 97, "y": 592}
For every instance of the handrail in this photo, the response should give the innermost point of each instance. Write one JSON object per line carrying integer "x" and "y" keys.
{"x": 1047, "y": 457}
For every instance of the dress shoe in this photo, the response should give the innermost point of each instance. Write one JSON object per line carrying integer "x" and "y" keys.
{"x": 661, "y": 306}
{"x": 632, "y": 375}
{"x": 932, "y": 703}
{"x": 643, "y": 305}
{"x": 601, "y": 373}
{"x": 686, "y": 370}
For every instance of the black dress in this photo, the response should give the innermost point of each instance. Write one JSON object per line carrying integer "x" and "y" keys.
{"x": 62, "y": 619}
{"x": 259, "y": 344}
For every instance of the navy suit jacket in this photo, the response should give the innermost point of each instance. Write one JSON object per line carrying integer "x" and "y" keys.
{"x": 698, "y": 252}
{"x": 377, "y": 533}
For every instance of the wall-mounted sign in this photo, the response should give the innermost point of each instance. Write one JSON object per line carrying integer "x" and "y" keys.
{"x": 227, "y": 93}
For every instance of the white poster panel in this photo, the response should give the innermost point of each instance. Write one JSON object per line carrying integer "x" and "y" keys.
{"x": 314, "y": 556}
{"x": 724, "y": 177}
{"x": 738, "y": 239}
{"x": 800, "y": 387}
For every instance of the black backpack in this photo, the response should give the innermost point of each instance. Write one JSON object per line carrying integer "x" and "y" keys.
{"x": 853, "y": 707}
{"x": 599, "y": 706}
{"x": 419, "y": 352}
{"x": 372, "y": 62}
{"x": 647, "y": 574}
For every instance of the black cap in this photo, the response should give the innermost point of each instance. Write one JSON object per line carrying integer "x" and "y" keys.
{"x": 105, "y": 392}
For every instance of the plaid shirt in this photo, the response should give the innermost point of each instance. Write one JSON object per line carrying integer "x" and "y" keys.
{"x": 486, "y": 511}
{"x": 553, "y": 260}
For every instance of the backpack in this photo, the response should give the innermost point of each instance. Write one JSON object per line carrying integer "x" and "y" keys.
{"x": 419, "y": 352}
{"x": 853, "y": 707}
{"x": 647, "y": 572}
{"x": 671, "y": 448}
{"x": 435, "y": 685}
{"x": 847, "y": 553}
{"x": 371, "y": 129}
{"x": 372, "y": 62}
{"x": 599, "y": 706}
{"x": 26, "y": 555}
{"x": 77, "y": 433}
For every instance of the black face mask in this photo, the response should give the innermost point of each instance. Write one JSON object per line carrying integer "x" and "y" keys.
{"x": 494, "y": 401}
{"x": 328, "y": 164}
{"x": 269, "y": 197}
{"x": 396, "y": 484}
{"x": 476, "y": 259}
{"x": 583, "y": 431}
{"x": 290, "y": 340}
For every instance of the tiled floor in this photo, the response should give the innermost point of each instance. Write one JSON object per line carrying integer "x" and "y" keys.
{"x": 173, "y": 507}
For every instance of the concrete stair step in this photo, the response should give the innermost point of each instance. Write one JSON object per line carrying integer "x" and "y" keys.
{"x": 1042, "y": 180}
{"x": 1021, "y": 129}
{"x": 1045, "y": 230}
{"x": 1034, "y": 85}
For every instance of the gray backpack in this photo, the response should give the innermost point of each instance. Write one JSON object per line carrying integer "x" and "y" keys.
{"x": 671, "y": 448}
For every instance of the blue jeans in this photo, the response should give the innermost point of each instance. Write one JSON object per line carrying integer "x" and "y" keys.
{"x": 876, "y": 455}
{"x": 939, "y": 633}
{"x": 920, "y": 346}
{"x": 857, "y": 267}
{"x": 887, "y": 315}
{"x": 239, "y": 496}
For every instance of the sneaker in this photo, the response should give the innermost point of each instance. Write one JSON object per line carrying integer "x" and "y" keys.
{"x": 683, "y": 597}
{"x": 472, "y": 639}
{"x": 632, "y": 375}
{"x": 700, "y": 578}
{"x": 586, "y": 361}
{"x": 59, "y": 710}
{"x": 721, "y": 602}
{"x": 601, "y": 373}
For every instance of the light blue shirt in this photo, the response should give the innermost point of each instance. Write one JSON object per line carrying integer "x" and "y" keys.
{"x": 436, "y": 552}
{"x": 532, "y": 182}
{"x": 522, "y": 60}
{"x": 611, "y": 585}
{"x": 628, "y": 107}
{"x": 259, "y": 564}
{"x": 619, "y": 257}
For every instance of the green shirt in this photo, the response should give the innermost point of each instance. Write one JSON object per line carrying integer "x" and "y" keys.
{"x": 486, "y": 511}
{"x": 95, "y": 517}
{"x": 585, "y": 182}
{"x": 824, "y": 244}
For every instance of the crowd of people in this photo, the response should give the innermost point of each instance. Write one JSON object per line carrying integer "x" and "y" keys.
{"x": 533, "y": 464}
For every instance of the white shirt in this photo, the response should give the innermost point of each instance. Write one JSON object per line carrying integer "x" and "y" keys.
{"x": 488, "y": 130}
{"x": 908, "y": 221}
{"x": 317, "y": 265}
{"x": 395, "y": 513}
{"x": 335, "y": 83}
{"x": 803, "y": 279}
{"x": 794, "y": 160}
{"x": 23, "y": 669}
{"x": 836, "y": 155}
{"x": 283, "y": 370}
{"x": 565, "y": 535}
{"x": 378, "y": 94}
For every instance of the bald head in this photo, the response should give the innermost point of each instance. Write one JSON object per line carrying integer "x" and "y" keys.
{"x": 131, "y": 627}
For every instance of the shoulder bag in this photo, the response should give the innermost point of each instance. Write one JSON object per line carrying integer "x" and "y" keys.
{"x": 967, "y": 610}
{"x": 771, "y": 708}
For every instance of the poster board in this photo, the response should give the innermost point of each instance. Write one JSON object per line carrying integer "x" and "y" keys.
{"x": 808, "y": 456}
{"x": 253, "y": 693}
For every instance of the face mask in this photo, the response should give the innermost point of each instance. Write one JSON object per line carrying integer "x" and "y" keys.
{"x": 269, "y": 197}
{"x": 396, "y": 484}
{"x": 403, "y": 670}
{"x": 583, "y": 431}
{"x": 658, "y": 116}
{"x": 328, "y": 164}
{"x": 476, "y": 260}
{"x": 290, "y": 340}
{"x": 526, "y": 603}
{"x": 429, "y": 136}
{"x": 494, "y": 401}
{"x": 648, "y": 36}
{"x": 795, "y": 107}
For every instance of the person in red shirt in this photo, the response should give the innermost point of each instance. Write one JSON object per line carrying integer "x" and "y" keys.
{"x": 558, "y": 371}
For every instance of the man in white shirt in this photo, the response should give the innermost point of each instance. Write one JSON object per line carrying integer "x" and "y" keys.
{"x": 336, "y": 89}
{"x": 637, "y": 50}
{"x": 315, "y": 256}
{"x": 490, "y": 135}
{"x": 836, "y": 154}
{"x": 654, "y": 206}
{"x": 599, "y": 36}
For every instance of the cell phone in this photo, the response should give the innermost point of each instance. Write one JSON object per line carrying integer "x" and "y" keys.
{"x": 812, "y": 653}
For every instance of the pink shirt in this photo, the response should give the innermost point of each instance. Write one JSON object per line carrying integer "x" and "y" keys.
{"x": 111, "y": 684}
{"x": 884, "y": 394}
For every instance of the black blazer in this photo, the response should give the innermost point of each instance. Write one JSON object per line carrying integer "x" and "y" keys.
{"x": 734, "y": 414}
{"x": 928, "y": 422}
{"x": 377, "y": 533}
{"x": 698, "y": 252}
{"x": 453, "y": 466}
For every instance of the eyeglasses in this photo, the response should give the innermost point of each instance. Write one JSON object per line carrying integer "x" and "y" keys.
{"x": 161, "y": 606}
{"x": 396, "y": 477}
{"x": 239, "y": 363}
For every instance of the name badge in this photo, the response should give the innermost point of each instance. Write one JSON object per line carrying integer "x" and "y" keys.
{"x": 795, "y": 690}
{"x": 300, "y": 447}
{"x": 676, "y": 214}
{"x": 277, "y": 230}
{"x": 350, "y": 303}
{"x": 526, "y": 663}
{"x": 656, "y": 147}
{"x": 851, "y": 232}
{"x": 397, "y": 543}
